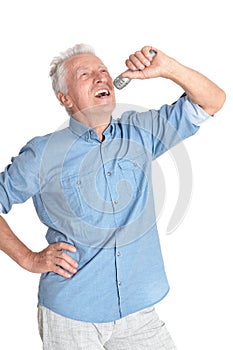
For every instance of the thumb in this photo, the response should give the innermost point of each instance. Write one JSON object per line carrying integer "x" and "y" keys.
{"x": 137, "y": 74}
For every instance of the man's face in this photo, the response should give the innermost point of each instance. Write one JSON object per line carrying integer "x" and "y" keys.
{"x": 89, "y": 84}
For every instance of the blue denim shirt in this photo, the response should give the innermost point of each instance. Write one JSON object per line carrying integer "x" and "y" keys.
{"x": 98, "y": 196}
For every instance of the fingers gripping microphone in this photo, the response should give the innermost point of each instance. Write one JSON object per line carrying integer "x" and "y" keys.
{"x": 120, "y": 82}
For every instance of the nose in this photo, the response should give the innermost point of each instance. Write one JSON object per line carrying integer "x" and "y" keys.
{"x": 100, "y": 77}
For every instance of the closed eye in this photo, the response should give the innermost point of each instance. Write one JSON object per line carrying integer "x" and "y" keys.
{"x": 83, "y": 75}
{"x": 104, "y": 70}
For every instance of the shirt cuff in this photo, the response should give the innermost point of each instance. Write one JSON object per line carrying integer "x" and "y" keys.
{"x": 196, "y": 114}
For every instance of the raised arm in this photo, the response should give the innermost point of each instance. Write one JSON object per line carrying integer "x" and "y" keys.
{"x": 198, "y": 87}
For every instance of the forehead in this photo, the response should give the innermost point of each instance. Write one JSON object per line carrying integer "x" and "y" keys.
{"x": 83, "y": 61}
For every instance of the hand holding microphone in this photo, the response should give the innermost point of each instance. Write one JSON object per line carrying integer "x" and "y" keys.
{"x": 120, "y": 82}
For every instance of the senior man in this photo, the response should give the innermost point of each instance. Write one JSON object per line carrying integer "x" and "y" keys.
{"x": 102, "y": 271}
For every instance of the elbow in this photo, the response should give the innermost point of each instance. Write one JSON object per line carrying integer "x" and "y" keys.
{"x": 220, "y": 100}
{"x": 218, "y": 103}
{"x": 223, "y": 98}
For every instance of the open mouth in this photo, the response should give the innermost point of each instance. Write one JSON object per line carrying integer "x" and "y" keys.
{"x": 102, "y": 93}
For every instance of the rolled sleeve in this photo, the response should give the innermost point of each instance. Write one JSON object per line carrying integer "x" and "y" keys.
{"x": 20, "y": 179}
{"x": 196, "y": 114}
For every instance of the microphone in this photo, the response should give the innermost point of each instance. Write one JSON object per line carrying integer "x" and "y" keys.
{"x": 120, "y": 82}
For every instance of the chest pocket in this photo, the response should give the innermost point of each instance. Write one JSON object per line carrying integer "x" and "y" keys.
{"x": 134, "y": 171}
{"x": 73, "y": 187}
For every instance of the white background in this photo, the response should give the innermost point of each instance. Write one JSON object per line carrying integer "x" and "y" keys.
{"x": 198, "y": 310}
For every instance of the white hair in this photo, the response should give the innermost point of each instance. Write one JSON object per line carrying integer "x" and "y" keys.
{"x": 58, "y": 69}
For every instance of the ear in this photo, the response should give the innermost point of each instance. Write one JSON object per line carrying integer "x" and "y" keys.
{"x": 65, "y": 100}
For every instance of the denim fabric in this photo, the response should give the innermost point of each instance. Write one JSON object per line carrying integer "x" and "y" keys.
{"x": 98, "y": 196}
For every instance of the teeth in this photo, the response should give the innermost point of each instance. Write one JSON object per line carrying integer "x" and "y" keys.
{"x": 102, "y": 92}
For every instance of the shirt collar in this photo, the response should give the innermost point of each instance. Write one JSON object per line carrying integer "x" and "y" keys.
{"x": 83, "y": 130}
{"x": 78, "y": 128}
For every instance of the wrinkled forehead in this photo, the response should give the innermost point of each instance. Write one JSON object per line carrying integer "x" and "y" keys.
{"x": 82, "y": 61}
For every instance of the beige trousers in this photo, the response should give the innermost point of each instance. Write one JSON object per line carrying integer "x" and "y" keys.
{"x": 141, "y": 330}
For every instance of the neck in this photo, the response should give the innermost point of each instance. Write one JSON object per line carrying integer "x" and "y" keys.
{"x": 94, "y": 116}
{"x": 96, "y": 122}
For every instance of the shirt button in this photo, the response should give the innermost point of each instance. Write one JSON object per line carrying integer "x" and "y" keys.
{"x": 119, "y": 283}
{"x": 109, "y": 173}
{"x": 92, "y": 132}
{"x": 115, "y": 202}
{"x": 86, "y": 137}
{"x": 79, "y": 182}
{"x": 118, "y": 254}
{"x": 135, "y": 164}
